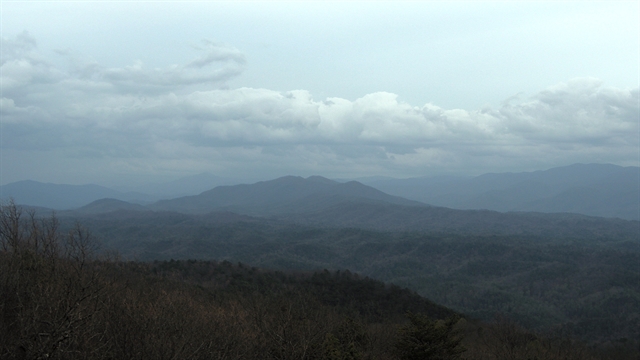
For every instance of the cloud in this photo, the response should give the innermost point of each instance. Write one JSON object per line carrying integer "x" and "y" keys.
{"x": 580, "y": 111}
{"x": 24, "y": 68}
{"x": 136, "y": 115}
{"x": 20, "y": 47}
{"x": 195, "y": 72}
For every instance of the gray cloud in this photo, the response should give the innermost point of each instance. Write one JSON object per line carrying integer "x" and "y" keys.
{"x": 19, "y": 48}
{"x": 93, "y": 113}
{"x": 23, "y": 69}
{"x": 23, "y": 66}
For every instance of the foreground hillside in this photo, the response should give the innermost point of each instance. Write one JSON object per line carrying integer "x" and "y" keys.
{"x": 58, "y": 301}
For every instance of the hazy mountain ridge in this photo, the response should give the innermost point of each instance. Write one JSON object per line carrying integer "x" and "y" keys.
{"x": 61, "y": 196}
{"x": 602, "y": 190}
{"x": 66, "y": 196}
{"x": 592, "y": 189}
{"x": 318, "y": 201}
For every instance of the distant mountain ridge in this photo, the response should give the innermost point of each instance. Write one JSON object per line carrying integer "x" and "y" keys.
{"x": 603, "y": 190}
{"x": 317, "y": 201}
{"x": 67, "y": 197}
{"x": 59, "y": 196}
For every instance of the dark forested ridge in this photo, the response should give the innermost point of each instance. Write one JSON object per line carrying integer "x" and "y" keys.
{"x": 60, "y": 299}
{"x": 388, "y": 217}
{"x": 392, "y": 217}
{"x": 583, "y": 281}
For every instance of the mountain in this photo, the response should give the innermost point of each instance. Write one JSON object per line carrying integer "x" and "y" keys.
{"x": 320, "y": 202}
{"x": 66, "y": 197}
{"x": 603, "y": 190}
{"x": 317, "y": 201}
{"x": 60, "y": 196}
{"x": 289, "y": 194}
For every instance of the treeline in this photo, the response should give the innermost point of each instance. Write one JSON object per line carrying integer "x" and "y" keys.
{"x": 62, "y": 299}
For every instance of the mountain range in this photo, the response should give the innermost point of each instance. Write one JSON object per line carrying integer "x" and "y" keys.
{"x": 320, "y": 202}
{"x": 602, "y": 190}
{"x": 62, "y": 196}
{"x": 66, "y": 197}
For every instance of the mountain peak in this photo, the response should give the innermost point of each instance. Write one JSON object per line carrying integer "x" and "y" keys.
{"x": 287, "y": 194}
{"x": 321, "y": 179}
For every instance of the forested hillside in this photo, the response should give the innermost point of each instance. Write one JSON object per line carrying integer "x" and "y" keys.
{"x": 60, "y": 299}
{"x": 583, "y": 283}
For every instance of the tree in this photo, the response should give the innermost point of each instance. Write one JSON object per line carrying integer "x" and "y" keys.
{"x": 347, "y": 342}
{"x": 424, "y": 339}
{"x": 49, "y": 287}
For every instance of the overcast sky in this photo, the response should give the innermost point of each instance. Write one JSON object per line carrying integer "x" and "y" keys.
{"x": 127, "y": 92}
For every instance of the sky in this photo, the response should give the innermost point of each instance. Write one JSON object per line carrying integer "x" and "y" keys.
{"x": 122, "y": 93}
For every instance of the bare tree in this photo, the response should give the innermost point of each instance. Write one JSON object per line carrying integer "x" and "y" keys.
{"x": 48, "y": 285}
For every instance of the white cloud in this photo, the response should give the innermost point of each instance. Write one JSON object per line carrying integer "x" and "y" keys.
{"x": 581, "y": 111}
{"x": 136, "y": 115}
